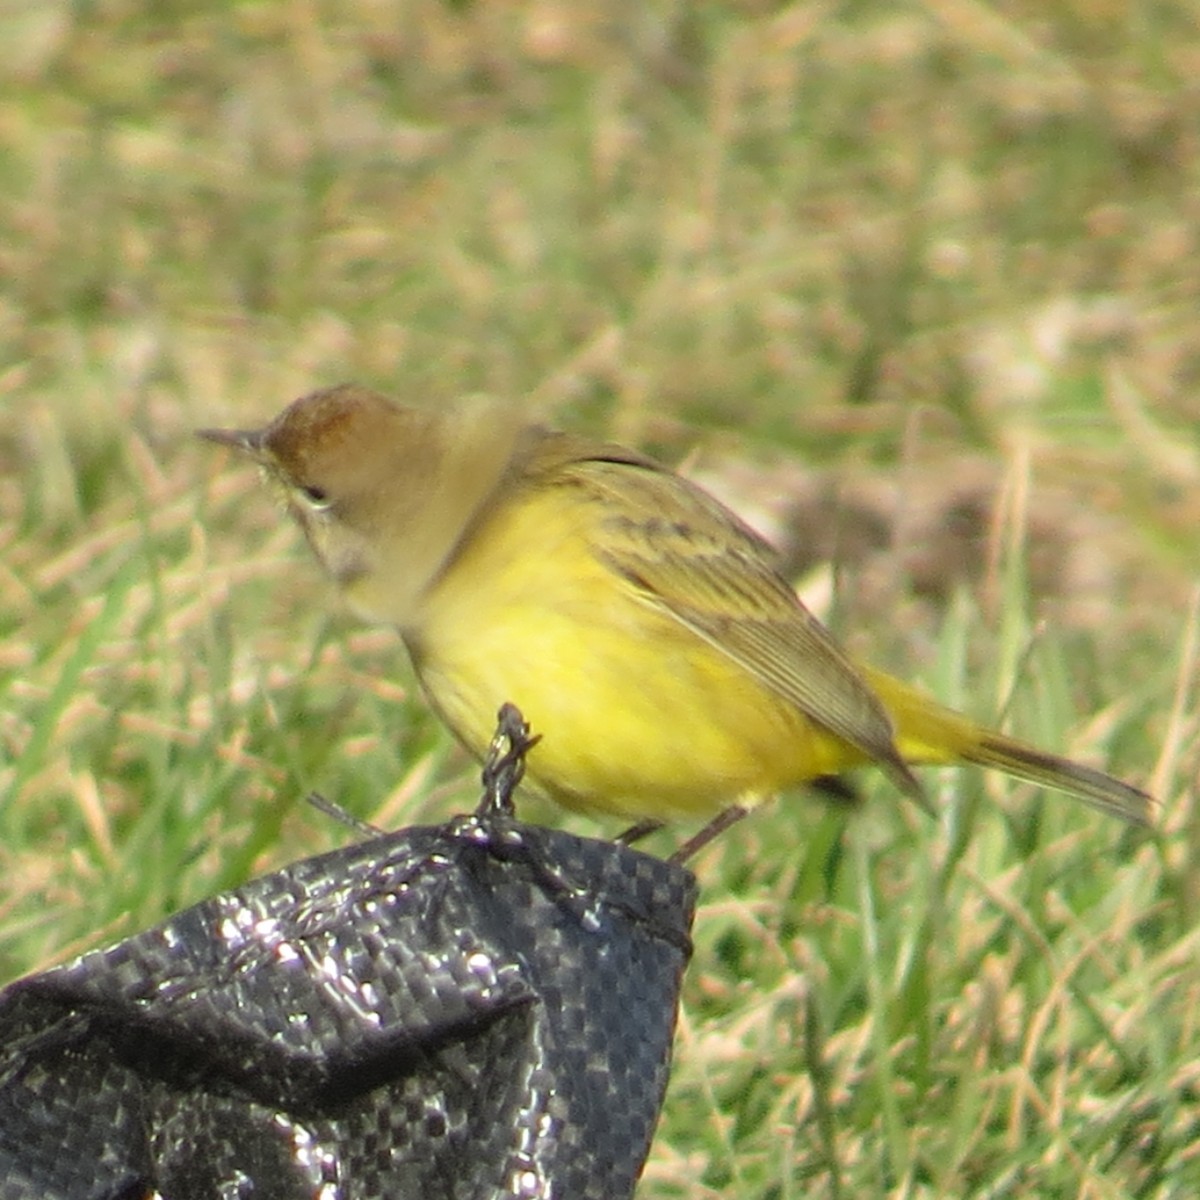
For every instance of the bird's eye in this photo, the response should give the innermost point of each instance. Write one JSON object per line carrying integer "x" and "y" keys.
{"x": 317, "y": 497}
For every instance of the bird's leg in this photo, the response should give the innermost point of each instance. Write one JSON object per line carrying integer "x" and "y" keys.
{"x": 635, "y": 833}
{"x": 717, "y": 826}
{"x": 835, "y": 788}
{"x": 505, "y": 762}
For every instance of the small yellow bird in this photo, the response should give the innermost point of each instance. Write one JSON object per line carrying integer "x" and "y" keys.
{"x": 636, "y": 622}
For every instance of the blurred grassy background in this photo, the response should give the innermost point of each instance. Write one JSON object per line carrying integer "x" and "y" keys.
{"x": 914, "y": 285}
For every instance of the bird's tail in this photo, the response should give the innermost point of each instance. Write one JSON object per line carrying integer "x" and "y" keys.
{"x": 927, "y": 732}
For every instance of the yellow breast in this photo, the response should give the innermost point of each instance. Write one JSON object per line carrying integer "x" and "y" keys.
{"x": 638, "y": 715}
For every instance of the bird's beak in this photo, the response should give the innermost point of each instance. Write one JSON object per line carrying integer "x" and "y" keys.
{"x": 244, "y": 441}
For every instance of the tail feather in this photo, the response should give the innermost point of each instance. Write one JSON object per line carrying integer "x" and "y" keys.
{"x": 1049, "y": 770}
{"x": 930, "y": 733}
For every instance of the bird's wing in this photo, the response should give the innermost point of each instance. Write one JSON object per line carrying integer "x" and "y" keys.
{"x": 690, "y": 557}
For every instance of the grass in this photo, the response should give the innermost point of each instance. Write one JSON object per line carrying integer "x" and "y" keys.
{"x": 927, "y": 269}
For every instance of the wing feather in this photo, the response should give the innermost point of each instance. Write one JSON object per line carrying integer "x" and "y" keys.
{"x": 691, "y": 558}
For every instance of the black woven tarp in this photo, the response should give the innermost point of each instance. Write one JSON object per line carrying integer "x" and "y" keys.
{"x": 471, "y": 1011}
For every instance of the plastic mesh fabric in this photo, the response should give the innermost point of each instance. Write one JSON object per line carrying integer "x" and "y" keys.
{"x": 470, "y": 1011}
